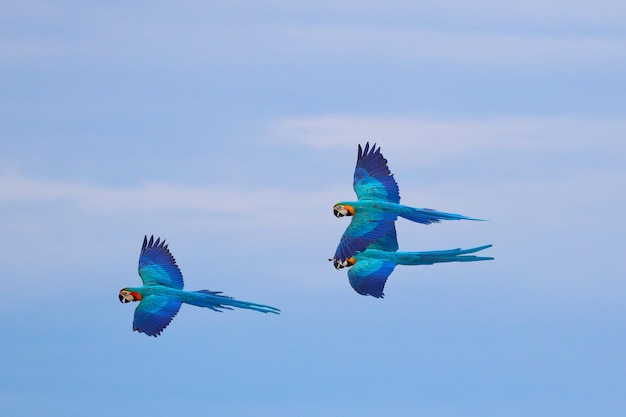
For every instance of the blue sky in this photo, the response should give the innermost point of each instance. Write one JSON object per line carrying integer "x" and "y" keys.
{"x": 231, "y": 130}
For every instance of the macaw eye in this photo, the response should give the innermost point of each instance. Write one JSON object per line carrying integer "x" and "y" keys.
{"x": 340, "y": 211}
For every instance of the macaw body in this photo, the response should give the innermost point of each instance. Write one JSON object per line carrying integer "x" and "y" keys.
{"x": 202, "y": 298}
{"x": 162, "y": 294}
{"x": 418, "y": 215}
{"x": 378, "y": 205}
{"x": 370, "y": 269}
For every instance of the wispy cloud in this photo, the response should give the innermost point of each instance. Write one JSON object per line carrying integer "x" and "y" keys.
{"x": 154, "y": 197}
{"x": 428, "y": 141}
{"x": 223, "y": 209}
{"x": 89, "y": 219}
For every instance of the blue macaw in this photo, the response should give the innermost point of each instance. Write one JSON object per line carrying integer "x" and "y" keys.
{"x": 378, "y": 205}
{"x": 162, "y": 293}
{"x": 370, "y": 268}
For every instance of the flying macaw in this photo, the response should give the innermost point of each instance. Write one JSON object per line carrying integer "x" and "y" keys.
{"x": 162, "y": 293}
{"x": 378, "y": 205}
{"x": 370, "y": 269}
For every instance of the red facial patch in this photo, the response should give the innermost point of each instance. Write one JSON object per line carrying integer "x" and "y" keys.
{"x": 136, "y": 295}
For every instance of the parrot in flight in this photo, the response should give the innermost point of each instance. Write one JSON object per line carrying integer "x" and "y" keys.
{"x": 370, "y": 268}
{"x": 162, "y": 292}
{"x": 378, "y": 205}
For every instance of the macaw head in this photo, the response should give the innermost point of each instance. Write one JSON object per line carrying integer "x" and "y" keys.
{"x": 341, "y": 210}
{"x": 340, "y": 264}
{"x": 127, "y": 296}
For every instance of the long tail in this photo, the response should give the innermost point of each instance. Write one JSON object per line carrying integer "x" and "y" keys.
{"x": 217, "y": 302}
{"x": 433, "y": 257}
{"x": 429, "y": 216}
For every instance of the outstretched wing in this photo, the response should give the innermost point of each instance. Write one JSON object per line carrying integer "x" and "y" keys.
{"x": 366, "y": 227}
{"x": 368, "y": 276}
{"x": 157, "y": 266}
{"x": 388, "y": 243}
{"x": 154, "y": 313}
{"x": 372, "y": 178}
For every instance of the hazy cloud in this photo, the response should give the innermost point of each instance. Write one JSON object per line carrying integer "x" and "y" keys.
{"x": 430, "y": 140}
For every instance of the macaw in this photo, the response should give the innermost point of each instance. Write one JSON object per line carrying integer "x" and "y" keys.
{"x": 370, "y": 268}
{"x": 378, "y": 205}
{"x": 162, "y": 293}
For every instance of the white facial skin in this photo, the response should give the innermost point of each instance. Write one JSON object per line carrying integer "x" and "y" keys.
{"x": 340, "y": 211}
{"x": 126, "y": 296}
{"x": 340, "y": 264}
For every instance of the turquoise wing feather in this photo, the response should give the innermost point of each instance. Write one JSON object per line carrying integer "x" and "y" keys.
{"x": 388, "y": 242}
{"x": 161, "y": 295}
{"x": 154, "y": 313}
{"x": 157, "y": 266}
{"x": 365, "y": 227}
{"x": 372, "y": 181}
{"x": 372, "y": 178}
{"x": 368, "y": 276}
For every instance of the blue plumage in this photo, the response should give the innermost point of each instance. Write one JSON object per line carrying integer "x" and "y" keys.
{"x": 155, "y": 312}
{"x": 370, "y": 269}
{"x": 372, "y": 178}
{"x": 157, "y": 266}
{"x": 377, "y": 207}
{"x": 369, "y": 246}
{"x": 162, "y": 292}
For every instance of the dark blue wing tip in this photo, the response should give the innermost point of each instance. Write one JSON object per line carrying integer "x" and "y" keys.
{"x": 152, "y": 334}
{"x": 149, "y": 244}
{"x": 372, "y": 155}
{"x": 367, "y": 151}
{"x": 371, "y": 293}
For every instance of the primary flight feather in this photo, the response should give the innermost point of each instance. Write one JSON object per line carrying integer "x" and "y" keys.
{"x": 377, "y": 206}
{"x": 162, "y": 292}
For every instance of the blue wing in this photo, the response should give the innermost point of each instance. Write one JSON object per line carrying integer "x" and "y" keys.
{"x": 366, "y": 226}
{"x": 368, "y": 276}
{"x": 388, "y": 242}
{"x": 154, "y": 313}
{"x": 372, "y": 178}
{"x": 157, "y": 266}
{"x": 372, "y": 181}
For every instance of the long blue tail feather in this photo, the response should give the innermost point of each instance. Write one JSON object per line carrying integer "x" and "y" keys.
{"x": 217, "y": 302}
{"x": 433, "y": 257}
{"x": 429, "y": 216}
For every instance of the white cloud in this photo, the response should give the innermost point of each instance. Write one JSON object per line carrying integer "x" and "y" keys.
{"x": 222, "y": 209}
{"x": 68, "y": 225}
{"x": 428, "y": 141}
{"x": 142, "y": 198}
